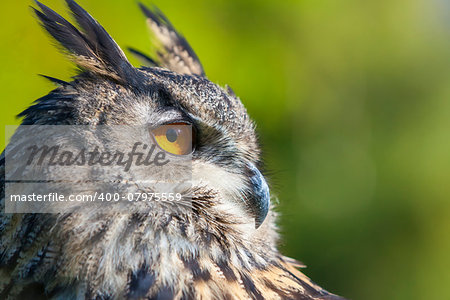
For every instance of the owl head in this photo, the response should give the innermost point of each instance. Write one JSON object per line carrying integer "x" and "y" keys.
{"x": 171, "y": 90}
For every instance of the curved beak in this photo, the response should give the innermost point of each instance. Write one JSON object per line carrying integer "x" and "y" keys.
{"x": 260, "y": 198}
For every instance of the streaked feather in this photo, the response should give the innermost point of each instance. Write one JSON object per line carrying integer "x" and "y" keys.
{"x": 176, "y": 53}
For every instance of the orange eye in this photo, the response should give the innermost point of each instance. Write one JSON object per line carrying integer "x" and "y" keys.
{"x": 175, "y": 138}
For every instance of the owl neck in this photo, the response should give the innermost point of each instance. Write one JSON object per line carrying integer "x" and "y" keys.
{"x": 144, "y": 254}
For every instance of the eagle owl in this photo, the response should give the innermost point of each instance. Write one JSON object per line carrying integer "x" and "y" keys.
{"x": 223, "y": 246}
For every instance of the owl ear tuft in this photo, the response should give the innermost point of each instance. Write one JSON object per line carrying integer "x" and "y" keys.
{"x": 91, "y": 47}
{"x": 176, "y": 54}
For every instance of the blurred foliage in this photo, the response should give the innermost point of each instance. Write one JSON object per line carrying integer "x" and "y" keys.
{"x": 352, "y": 103}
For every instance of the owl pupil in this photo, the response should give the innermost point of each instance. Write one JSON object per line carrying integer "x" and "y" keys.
{"x": 171, "y": 135}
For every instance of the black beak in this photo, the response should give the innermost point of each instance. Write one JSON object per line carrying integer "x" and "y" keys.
{"x": 260, "y": 198}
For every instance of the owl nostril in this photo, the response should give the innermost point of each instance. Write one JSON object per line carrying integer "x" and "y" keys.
{"x": 261, "y": 195}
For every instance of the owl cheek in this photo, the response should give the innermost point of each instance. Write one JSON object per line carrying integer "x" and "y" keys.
{"x": 260, "y": 199}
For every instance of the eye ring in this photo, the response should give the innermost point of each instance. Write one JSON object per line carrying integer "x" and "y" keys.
{"x": 177, "y": 138}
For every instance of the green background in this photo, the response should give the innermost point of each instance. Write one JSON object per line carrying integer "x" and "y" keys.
{"x": 352, "y": 103}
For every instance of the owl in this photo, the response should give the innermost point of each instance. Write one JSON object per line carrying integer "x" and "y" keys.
{"x": 221, "y": 245}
